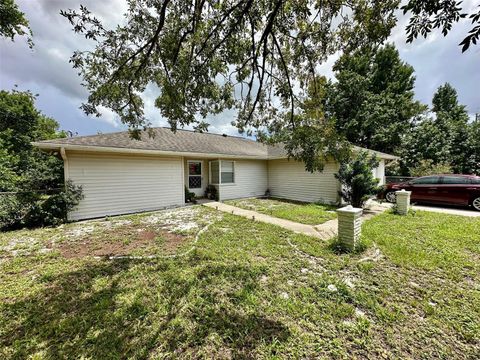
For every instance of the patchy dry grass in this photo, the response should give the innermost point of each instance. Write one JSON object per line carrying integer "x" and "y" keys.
{"x": 305, "y": 213}
{"x": 159, "y": 233}
{"x": 245, "y": 293}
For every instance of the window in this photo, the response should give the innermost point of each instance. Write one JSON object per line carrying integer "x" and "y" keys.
{"x": 475, "y": 181}
{"x": 214, "y": 172}
{"x": 222, "y": 172}
{"x": 455, "y": 180}
{"x": 426, "y": 180}
{"x": 194, "y": 174}
{"x": 227, "y": 172}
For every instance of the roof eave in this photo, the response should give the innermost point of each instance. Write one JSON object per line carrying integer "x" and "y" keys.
{"x": 120, "y": 150}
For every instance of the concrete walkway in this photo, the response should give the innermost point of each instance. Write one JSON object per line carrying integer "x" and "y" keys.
{"x": 323, "y": 231}
{"x": 286, "y": 224}
{"x": 447, "y": 210}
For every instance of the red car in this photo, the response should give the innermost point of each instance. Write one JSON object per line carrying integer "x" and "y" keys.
{"x": 460, "y": 190}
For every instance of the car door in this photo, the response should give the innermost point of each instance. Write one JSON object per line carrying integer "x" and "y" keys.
{"x": 424, "y": 189}
{"x": 454, "y": 190}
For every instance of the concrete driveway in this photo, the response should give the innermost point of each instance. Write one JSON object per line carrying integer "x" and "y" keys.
{"x": 448, "y": 210}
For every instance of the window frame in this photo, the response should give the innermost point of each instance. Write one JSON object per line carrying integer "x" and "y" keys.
{"x": 198, "y": 175}
{"x": 220, "y": 173}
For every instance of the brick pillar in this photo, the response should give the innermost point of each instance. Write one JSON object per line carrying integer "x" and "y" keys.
{"x": 349, "y": 226}
{"x": 403, "y": 201}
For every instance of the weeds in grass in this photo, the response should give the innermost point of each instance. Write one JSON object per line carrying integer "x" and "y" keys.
{"x": 245, "y": 293}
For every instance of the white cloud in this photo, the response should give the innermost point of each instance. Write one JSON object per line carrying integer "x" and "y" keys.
{"x": 46, "y": 69}
{"x": 109, "y": 117}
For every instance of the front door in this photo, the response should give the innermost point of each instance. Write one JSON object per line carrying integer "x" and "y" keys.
{"x": 195, "y": 177}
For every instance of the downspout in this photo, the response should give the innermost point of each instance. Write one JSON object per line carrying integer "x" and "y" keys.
{"x": 63, "y": 153}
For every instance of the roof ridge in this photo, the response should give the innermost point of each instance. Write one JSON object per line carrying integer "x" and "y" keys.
{"x": 208, "y": 133}
{"x": 159, "y": 127}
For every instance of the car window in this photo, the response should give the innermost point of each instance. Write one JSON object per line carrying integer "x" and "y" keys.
{"x": 426, "y": 180}
{"x": 455, "y": 180}
{"x": 475, "y": 181}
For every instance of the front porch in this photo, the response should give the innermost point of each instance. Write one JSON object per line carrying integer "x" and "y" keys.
{"x": 200, "y": 173}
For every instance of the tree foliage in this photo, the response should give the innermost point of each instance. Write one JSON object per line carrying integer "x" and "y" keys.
{"x": 28, "y": 172}
{"x": 473, "y": 144}
{"x": 258, "y": 57}
{"x": 13, "y": 22}
{"x": 428, "y": 15}
{"x": 23, "y": 166}
{"x": 428, "y": 167}
{"x": 445, "y": 138}
{"x": 31, "y": 209}
{"x": 207, "y": 56}
{"x": 311, "y": 135}
{"x": 357, "y": 180}
{"x": 373, "y": 100}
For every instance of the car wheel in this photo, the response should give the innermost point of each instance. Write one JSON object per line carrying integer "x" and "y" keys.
{"x": 476, "y": 203}
{"x": 391, "y": 197}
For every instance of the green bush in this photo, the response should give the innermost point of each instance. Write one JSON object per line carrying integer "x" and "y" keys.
{"x": 190, "y": 196}
{"x": 357, "y": 180}
{"x": 32, "y": 209}
{"x": 428, "y": 167}
{"x": 211, "y": 192}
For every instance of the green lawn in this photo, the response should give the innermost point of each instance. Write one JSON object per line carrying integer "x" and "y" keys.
{"x": 243, "y": 292}
{"x": 305, "y": 213}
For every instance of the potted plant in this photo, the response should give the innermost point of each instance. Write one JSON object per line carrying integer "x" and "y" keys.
{"x": 211, "y": 192}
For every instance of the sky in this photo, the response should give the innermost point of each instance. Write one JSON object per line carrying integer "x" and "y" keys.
{"x": 45, "y": 70}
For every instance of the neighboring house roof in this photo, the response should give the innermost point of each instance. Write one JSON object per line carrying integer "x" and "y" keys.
{"x": 164, "y": 141}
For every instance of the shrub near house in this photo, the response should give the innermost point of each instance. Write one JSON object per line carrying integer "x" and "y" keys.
{"x": 357, "y": 180}
{"x": 36, "y": 193}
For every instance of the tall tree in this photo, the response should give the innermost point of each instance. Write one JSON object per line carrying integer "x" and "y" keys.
{"x": 443, "y": 138}
{"x": 22, "y": 165}
{"x": 13, "y": 22}
{"x": 207, "y": 56}
{"x": 373, "y": 99}
{"x": 473, "y": 145}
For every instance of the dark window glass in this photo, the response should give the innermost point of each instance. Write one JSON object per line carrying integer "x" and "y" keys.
{"x": 215, "y": 170}
{"x": 195, "y": 168}
{"x": 476, "y": 181}
{"x": 228, "y": 176}
{"x": 455, "y": 180}
{"x": 426, "y": 180}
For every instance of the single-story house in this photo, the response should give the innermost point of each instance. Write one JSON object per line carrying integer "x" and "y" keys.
{"x": 120, "y": 175}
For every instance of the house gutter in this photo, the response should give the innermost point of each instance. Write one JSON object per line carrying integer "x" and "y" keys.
{"x": 120, "y": 150}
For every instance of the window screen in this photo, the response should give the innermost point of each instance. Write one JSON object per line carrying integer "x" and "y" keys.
{"x": 227, "y": 172}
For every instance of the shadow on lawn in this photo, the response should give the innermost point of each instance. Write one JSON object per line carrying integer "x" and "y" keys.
{"x": 72, "y": 318}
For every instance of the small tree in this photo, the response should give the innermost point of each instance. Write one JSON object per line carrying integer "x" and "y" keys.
{"x": 357, "y": 180}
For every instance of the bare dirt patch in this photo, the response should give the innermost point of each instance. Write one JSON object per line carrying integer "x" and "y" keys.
{"x": 125, "y": 240}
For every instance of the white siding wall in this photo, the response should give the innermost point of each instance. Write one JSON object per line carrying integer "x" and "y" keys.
{"x": 288, "y": 179}
{"x": 379, "y": 172}
{"x": 251, "y": 179}
{"x": 119, "y": 184}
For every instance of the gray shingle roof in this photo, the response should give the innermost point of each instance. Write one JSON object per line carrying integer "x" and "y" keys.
{"x": 164, "y": 139}
{"x": 184, "y": 141}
